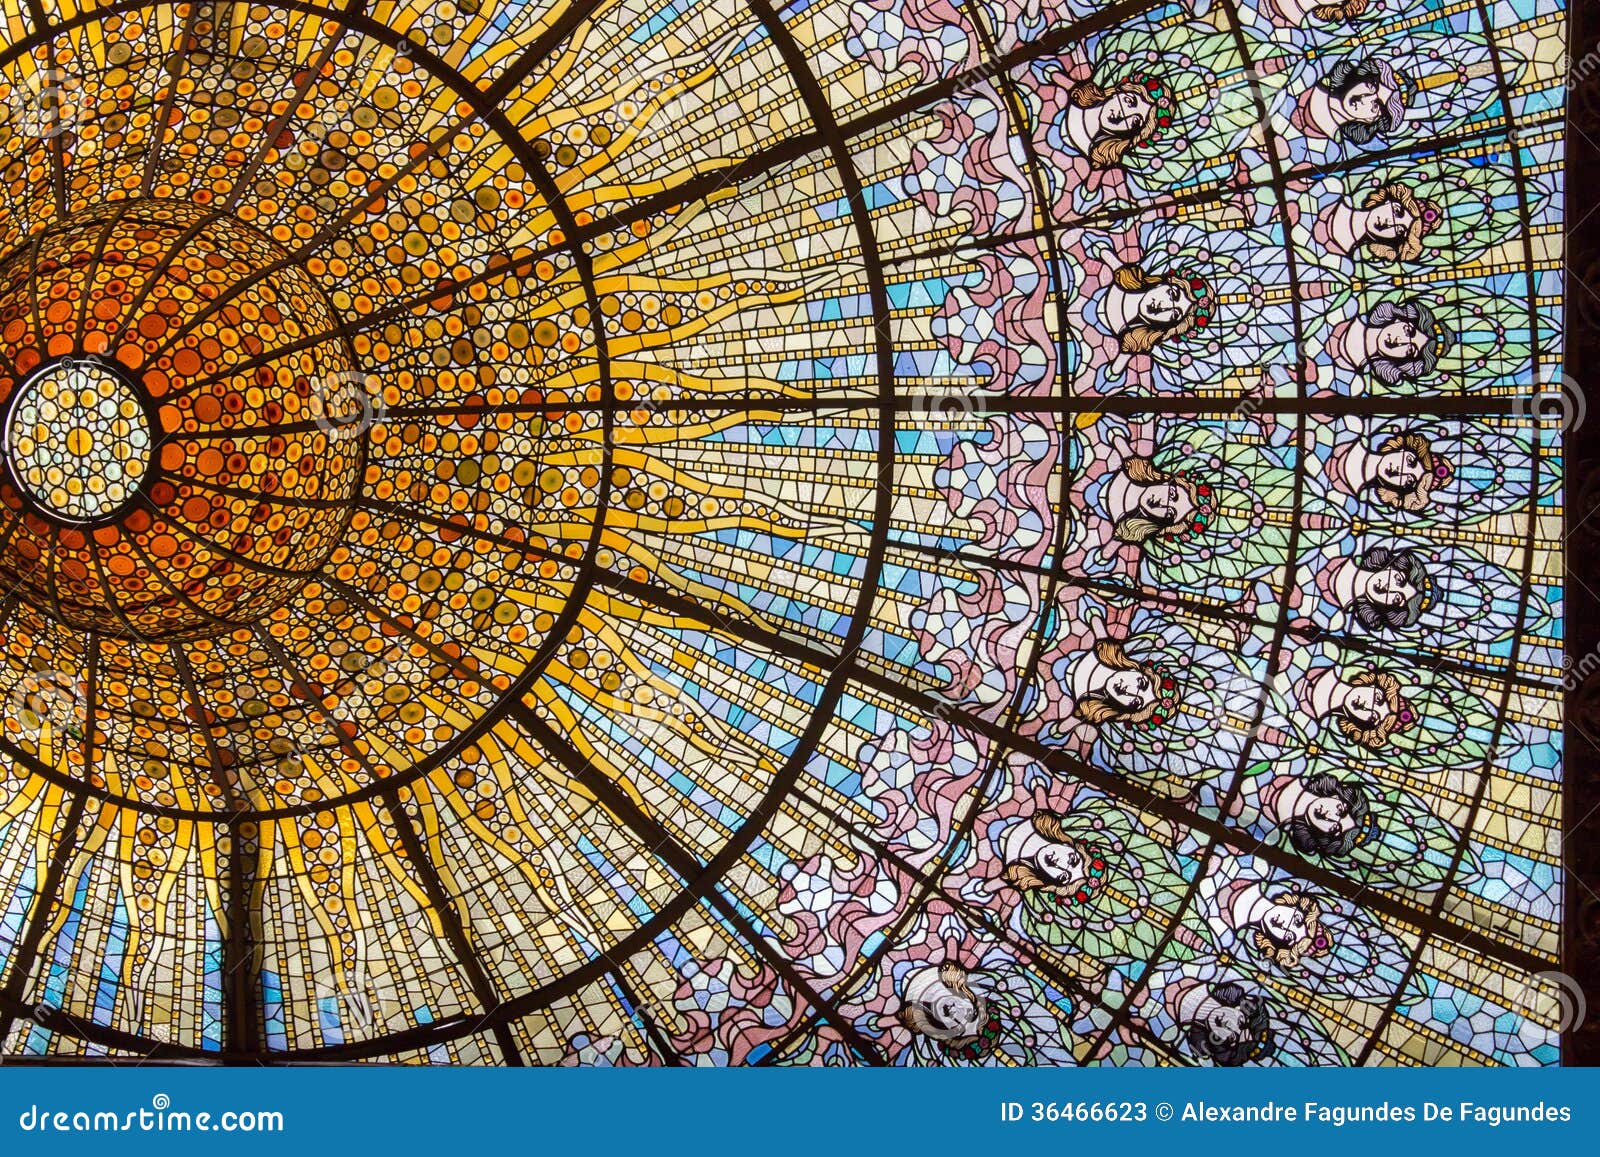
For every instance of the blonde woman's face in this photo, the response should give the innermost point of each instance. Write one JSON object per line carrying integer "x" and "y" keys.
{"x": 1400, "y": 469}
{"x": 1390, "y": 221}
{"x": 1366, "y": 705}
{"x": 953, "y": 1012}
{"x": 1125, "y": 113}
{"x": 1285, "y": 923}
{"x": 1060, "y": 863}
{"x": 1131, "y": 690}
{"x": 1165, "y": 502}
{"x": 1162, "y": 306}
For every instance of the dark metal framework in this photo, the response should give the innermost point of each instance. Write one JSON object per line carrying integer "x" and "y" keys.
{"x": 701, "y": 881}
{"x": 1580, "y": 826}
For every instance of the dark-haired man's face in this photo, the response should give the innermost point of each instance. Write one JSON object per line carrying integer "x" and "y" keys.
{"x": 1391, "y": 588}
{"x": 1329, "y": 815}
{"x": 1365, "y": 102}
{"x": 1225, "y": 1027}
{"x": 1401, "y": 341}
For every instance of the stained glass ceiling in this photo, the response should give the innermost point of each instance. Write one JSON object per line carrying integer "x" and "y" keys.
{"x": 852, "y": 532}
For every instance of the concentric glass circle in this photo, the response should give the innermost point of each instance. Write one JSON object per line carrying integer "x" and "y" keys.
{"x": 78, "y": 440}
{"x": 187, "y": 462}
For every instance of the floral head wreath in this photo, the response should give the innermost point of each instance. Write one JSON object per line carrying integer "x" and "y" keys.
{"x": 1204, "y": 304}
{"x": 1167, "y": 699}
{"x": 1156, "y": 91}
{"x": 1088, "y": 886}
{"x": 1200, "y": 519}
{"x": 1441, "y": 469}
{"x": 975, "y": 1050}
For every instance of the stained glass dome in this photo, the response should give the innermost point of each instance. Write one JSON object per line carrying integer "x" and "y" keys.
{"x": 850, "y": 532}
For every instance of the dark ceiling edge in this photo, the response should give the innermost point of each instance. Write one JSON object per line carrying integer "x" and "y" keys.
{"x": 1580, "y": 825}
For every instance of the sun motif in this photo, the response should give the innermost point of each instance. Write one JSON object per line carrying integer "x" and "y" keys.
{"x": 335, "y": 467}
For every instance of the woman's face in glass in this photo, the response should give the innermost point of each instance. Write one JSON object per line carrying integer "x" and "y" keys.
{"x": 1285, "y": 923}
{"x": 955, "y": 1013}
{"x": 1365, "y": 102}
{"x": 1329, "y": 815}
{"x": 1130, "y": 689}
{"x": 1390, "y": 588}
{"x": 1390, "y": 221}
{"x": 1125, "y": 113}
{"x": 1060, "y": 863}
{"x": 1366, "y": 705}
{"x": 1166, "y": 503}
{"x": 1401, "y": 341}
{"x": 1163, "y": 306}
{"x": 1400, "y": 470}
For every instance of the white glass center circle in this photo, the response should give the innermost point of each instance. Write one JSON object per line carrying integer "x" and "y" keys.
{"x": 78, "y": 440}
